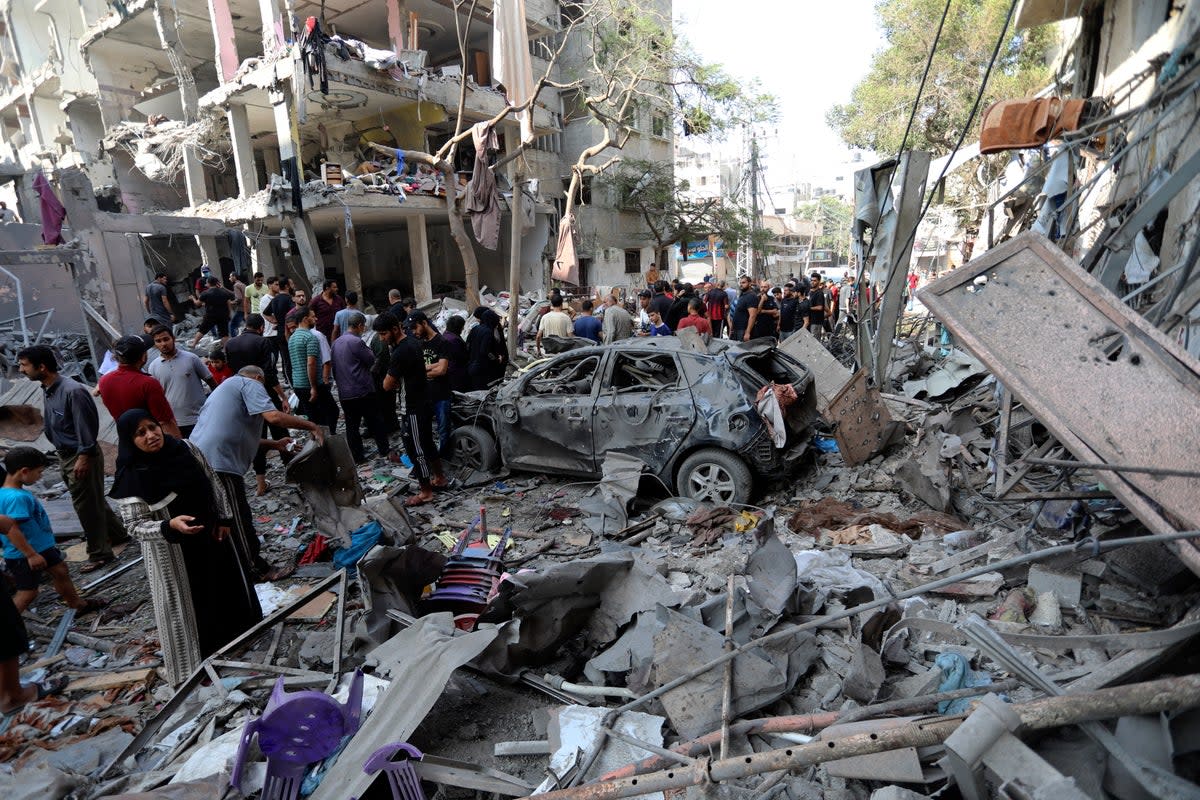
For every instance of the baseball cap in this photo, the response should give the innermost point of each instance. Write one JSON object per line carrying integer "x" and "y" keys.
{"x": 645, "y": 293}
{"x": 415, "y": 316}
{"x": 129, "y": 348}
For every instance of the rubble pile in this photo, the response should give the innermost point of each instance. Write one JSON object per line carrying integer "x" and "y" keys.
{"x": 852, "y": 634}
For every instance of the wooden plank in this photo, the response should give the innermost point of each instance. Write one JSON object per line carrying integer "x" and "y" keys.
{"x": 110, "y": 680}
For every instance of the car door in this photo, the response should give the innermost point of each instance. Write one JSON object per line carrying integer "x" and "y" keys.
{"x": 546, "y": 423}
{"x": 644, "y": 408}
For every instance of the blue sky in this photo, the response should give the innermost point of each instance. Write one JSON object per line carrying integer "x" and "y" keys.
{"x": 808, "y": 54}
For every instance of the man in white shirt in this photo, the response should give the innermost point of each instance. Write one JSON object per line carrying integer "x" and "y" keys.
{"x": 555, "y": 322}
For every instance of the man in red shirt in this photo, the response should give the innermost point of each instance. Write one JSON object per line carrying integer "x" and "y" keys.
{"x": 695, "y": 318}
{"x": 128, "y": 387}
{"x": 326, "y": 305}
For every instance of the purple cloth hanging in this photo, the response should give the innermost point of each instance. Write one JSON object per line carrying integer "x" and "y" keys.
{"x": 53, "y": 212}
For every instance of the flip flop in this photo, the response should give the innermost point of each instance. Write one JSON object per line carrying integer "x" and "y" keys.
{"x": 48, "y": 687}
{"x": 95, "y": 564}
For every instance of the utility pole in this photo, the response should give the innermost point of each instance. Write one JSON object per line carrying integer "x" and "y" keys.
{"x": 754, "y": 213}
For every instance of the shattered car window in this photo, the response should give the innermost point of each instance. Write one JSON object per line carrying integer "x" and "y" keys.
{"x": 571, "y": 376}
{"x": 633, "y": 372}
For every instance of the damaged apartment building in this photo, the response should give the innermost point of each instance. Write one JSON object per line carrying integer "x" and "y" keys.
{"x": 178, "y": 133}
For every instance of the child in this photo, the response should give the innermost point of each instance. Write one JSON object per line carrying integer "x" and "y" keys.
{"x": 657, "y": 326}
{"x": 218, "y": 366}
{"x": 28, "y": 538}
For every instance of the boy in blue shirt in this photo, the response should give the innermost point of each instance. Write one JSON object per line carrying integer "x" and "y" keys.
{"x": 587, "y": 326}
{"x": 29, "y": 539}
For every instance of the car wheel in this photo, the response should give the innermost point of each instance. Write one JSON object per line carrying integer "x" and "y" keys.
{"x": 472, "y": 446}
{"x": 714, "y": 476}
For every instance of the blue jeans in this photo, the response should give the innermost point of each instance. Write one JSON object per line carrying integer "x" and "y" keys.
{"x": 235, "y": 323}
{"x": 441, "y": 416}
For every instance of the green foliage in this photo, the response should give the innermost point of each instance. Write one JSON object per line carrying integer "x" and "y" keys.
{"x": 879, "y": 106}
{"x": 835, "y": 216}
{"x": 648, "y": 188}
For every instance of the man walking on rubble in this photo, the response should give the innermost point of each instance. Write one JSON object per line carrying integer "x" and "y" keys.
{"x": 217, "y": 302}
{"x": 227, "y": 433}
{"x": 252, "y": 349}
{"x": 238, "y": 287}
{"x": 308, "y": 378}
{"x": 276, "y": 313}
{"x": 183, "y": 376}
{"x": 253, "y": 295}
{"x": 437, "y": 372}
{"x": 72, "y": 425}
{"x": 352, "y": 362}
{"x": 158, "y": 300}
{"x": 407, "y": 367}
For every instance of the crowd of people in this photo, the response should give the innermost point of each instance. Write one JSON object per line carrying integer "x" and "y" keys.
{"x": 191, "y": 427}
{"x": 749, "y": 310}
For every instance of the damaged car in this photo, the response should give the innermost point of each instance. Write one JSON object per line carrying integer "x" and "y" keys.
{"x": 687, "y": 412}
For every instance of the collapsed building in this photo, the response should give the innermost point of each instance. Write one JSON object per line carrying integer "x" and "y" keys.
{"x": 178, "y": 133}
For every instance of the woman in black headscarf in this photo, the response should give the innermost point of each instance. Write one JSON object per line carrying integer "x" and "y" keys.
{"x": 487, "y": 353}
{"x": 171, "y": 501}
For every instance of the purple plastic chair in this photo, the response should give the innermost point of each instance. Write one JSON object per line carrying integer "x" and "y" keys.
{"x": 297, "y": 729}
{"x": 396, "y": 760}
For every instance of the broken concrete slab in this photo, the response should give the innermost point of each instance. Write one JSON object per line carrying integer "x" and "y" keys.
{"x": 864, "y": 426}
{"x": 829, "y": 376}
{"x": 1099, "y": 350}
{"x": 1067, "y": 587}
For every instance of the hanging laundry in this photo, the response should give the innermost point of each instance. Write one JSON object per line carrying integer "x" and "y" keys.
{"x": 1019, "y": 124}
{"x": 53, "y": 212}
{"x": 312, "y": 53}
{"x": 511, "y": 66}
{"x": 566, "y": 265}
{"x": 239, "y": 251}
{"x": 483, "y": 196}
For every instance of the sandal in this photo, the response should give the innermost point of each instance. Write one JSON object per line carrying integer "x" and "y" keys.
{"x": 97, "y": 563}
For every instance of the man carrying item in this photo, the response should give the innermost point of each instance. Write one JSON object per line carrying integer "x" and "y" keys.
{"x": 183, "y": 376}
{"x": 217, "y": 301}
{"x": 407, "y": 368}
{"x": 71, "y": 424}
{"x": 228, "y": 433}
{"x": 252, "y": 349}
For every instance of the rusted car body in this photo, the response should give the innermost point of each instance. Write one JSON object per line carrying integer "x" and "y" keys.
{"x": 689, "y": 414}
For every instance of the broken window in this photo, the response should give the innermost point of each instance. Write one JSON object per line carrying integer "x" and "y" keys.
{"x": 635, "y": 372}
{"x": 573, "y": 376}
{"x": 633, "y": 261}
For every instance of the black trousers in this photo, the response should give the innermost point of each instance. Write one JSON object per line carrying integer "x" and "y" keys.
{"x": 275, "y": 432}
{"x": 416, "y": 429}
{"x": 365, "y": 408}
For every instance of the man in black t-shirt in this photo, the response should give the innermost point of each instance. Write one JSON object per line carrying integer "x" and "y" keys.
{"x": 817, "y": 304}
{"x": 217, "y": 302}
{"x": 744, "y": 310}
{"x": 277, "y": 311}
{"x": 788, "y": 306}
{"x": 661, "y": 302}
{"x": 766, "y": 321}
{"x": 406, "y": 367}
{"x": 437, "y": 370}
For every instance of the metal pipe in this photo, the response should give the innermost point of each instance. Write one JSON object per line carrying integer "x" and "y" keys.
{"x": 791, "y": 630}
{"x": 42, "y": 330}
{"x": 1165, "y": 471}
{"x": 1152, "y": 697}
{"x": 588, "y": 690}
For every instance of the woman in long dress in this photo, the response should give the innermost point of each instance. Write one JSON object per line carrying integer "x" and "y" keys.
{"x": 173, "y": 504}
